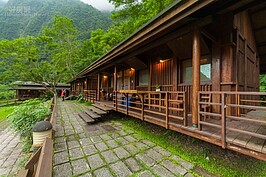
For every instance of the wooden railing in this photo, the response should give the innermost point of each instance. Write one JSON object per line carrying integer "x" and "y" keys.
{"x": 188, "y": 89}
{"x": 162, "y": 108}
{"x": 225, "y": 107}
{"x": 40, "y": 163}
{"x": 90, "y": 95}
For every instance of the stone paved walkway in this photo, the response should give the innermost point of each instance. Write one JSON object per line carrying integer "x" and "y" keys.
{"x": 10, "y": 152}
{"x": 106, "y": 149}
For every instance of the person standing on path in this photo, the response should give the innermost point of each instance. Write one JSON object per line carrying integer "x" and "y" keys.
{"x": 63, "y": 95}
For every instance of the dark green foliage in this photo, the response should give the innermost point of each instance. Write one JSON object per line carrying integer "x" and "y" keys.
{"x": 130, "y": 17}
{"x": 88, "y": 103}
{"x": 263, "y": 83}
{"x": 5, "y": 93}
{"x": 52, "y": 57}
{"x": 28, "y": 17}
{"x": 46, "y": 95}
{"x": 26, "y": 115}
{"x": 80, "y": 98}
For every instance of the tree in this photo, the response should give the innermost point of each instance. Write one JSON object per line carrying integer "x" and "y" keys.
{"x": 263, "y": 83}
{"x": 131, "y": 15}
{"x": 47, "y": 59}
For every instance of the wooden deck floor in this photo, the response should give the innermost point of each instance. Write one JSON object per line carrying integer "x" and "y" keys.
{"x": 243, "y": 143}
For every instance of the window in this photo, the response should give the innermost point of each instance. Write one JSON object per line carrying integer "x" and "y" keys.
{"x": 143, "y": 77}
{"x": 205, "y": 70}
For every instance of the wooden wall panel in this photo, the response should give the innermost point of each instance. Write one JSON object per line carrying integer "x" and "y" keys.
{"x": 162, "y": 74}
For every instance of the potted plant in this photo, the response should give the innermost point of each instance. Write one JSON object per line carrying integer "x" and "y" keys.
{"x": 157, "y": 88}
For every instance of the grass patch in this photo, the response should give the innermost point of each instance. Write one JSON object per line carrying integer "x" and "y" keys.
{"x": 208, "y": 156}
{"x": 88, "y": 103}
{"x": 5, "y": 111}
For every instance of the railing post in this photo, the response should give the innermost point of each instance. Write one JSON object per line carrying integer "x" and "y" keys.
{"x": 116, "y": 100}
{"x": 166, "y": 111}
{"x": 223, "y": 136}
{"x": 238, "y": 103}
{"x": 142, "y": 107}
{"x": 199, "y": 116}
{"x": 160, "y": 101}
{"x": 185, "y": 108}
{"x": 127, "y": 103}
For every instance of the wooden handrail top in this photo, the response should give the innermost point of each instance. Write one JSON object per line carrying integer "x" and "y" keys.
{"x": 128, "y": 91}
{"x": 44, "y": 167}
{"x": 232, "y": 93}
{"x": 146, "y": 92}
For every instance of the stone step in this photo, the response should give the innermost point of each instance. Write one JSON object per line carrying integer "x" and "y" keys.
{"x": 92, "y": 114}
{"x": 102, "y": 107}
{"x": 97, "y": 110}
{"x": 86, "y": 117}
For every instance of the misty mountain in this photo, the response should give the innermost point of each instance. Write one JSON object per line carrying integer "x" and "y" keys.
{"x": 19, "y": 18}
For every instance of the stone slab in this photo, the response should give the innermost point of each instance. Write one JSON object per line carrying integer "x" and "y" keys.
{"x": 101, "y": 146}
{"x": 76, "y": 153}
{"x": 80, "y": 166}
{"x": 88, "y": 150}
{"x": 102, "y": 172}
{"x": 161, "y": 171}
{"x": 109, "y": 156}
{"x": 120, "y": 169}
{"x": 60, "y": 157}
{"x": 133, "y": 165}
{"x": 174, "y": 168}
{"x": 145, "y": 159}
{"x": 63, "y": 170}
{"x": 121, "y": 153}
{"x": 95, "y": 161}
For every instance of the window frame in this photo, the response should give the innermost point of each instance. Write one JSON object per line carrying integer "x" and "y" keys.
{"x": 202, "y": 62}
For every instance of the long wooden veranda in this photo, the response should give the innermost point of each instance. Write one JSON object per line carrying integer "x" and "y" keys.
{"x": 235, "y": 121}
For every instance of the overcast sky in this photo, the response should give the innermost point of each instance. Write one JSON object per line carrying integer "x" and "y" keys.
{"x": 100, "y": 4}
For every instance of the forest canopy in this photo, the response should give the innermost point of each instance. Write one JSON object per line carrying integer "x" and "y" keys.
{"x": 60, "y": 50}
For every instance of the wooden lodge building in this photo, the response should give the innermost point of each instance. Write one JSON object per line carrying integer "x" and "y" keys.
{"x": 29, "y": 90}
{"x": 205, "y": 57}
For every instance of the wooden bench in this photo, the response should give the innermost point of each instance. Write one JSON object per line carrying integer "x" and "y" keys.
{"x": 92, "y": 114}
{"x": 97, "y": 110}
{"x": 86, "y": 117}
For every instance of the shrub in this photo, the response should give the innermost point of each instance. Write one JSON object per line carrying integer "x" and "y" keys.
{"x": 5, "y": 93}
{"x": 26, "y": 115}
{"x": 80, "y": 98}
{"x": 46, "y": 95}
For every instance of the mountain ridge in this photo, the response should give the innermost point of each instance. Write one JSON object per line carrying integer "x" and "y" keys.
{"x": 20, "y": 18}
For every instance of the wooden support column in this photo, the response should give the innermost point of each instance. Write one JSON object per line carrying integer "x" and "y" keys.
{"x": 87, "y": 83}
{"x": 216, "y": 74}
{"x": 175, "y": 74}
{"x": 166, "y": 111}
{"x": 115, "y": 87}
{"x": 115, "y": 79}
{"x": 150, "y": 84}
{"x": 195, "y": 75}
{"x": 98, "y": 87}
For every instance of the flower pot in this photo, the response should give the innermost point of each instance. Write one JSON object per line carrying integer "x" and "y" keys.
{"x": 158, "y": 90}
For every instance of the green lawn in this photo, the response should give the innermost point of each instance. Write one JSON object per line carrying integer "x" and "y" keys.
{"x": 210, "y": 157}
{"x": 5, "y": 110}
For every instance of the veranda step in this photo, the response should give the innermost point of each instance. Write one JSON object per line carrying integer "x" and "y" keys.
{"x": 92, "y": 114}
{"x": 97, "y": 110}
{"x": 86, "y": 117}
{"x": 102, "y": 107}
